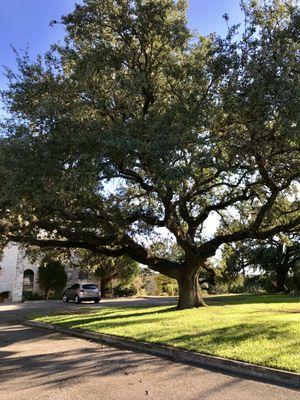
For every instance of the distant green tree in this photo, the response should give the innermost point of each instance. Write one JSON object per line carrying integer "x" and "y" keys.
{"x": 51, "y": 276}
{"x": 277, "y": 258}
{"x": 166, "y": 285}
{"x": 236, "y": 261}
{"x": 123, "y": 269}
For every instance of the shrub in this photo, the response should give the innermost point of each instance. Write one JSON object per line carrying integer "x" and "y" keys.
{"x": 120, "y": 291}
{"x": 166, "y": 286}
{"x": 33, "y": 296}
{"x": 55, "y": 295}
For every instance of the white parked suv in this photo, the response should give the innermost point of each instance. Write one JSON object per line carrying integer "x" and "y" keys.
{"x": 82, "y": 292}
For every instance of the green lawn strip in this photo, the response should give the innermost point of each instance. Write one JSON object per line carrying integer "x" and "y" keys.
{"x": 263, "y": 330}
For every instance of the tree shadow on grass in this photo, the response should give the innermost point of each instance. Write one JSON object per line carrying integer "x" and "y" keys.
{"x": 240, "y": 335}
{"x": 73, "y": 320}
{"x": 210, "y": 341}
{"x": 251, "y": 299}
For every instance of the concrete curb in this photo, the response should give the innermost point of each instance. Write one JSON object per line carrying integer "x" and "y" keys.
{"x": 219, "y": 364}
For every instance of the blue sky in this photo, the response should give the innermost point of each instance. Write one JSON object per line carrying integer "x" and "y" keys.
{"x": 26, "y": 23}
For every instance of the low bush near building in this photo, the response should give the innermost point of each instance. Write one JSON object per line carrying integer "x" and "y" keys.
{"x": 120, "y": 291}
{"x": 3, "y": 296}
{"x": 33, "y": 296}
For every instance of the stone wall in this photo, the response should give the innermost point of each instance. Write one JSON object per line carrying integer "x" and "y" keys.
{"x": 13, "y": 264}
{"x": 8, "y": 270}
{"x": 22, "y": 264}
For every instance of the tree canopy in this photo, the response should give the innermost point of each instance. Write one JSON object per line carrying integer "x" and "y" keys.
{"x": 135, "y": 128}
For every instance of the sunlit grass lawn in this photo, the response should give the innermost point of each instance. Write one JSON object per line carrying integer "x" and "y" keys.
{"x": 263, "y": 329}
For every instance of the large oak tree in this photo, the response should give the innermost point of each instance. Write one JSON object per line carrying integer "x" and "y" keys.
{"x": 134, "y": 127}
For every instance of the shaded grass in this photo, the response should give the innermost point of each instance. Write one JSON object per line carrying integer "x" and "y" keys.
{"x": 263, "y": 329}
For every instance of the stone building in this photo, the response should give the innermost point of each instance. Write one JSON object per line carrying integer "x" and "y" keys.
{"x": 19, "y": 276}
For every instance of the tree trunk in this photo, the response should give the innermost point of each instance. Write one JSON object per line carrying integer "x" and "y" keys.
{"x": 281, "y": 276}
{"x": 189, "y": 291}
{"x": 105, "y": 286}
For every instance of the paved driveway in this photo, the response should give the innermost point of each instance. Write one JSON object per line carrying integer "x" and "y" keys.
{"x": 13, "y": 312}
{"x": 37, "y": 364}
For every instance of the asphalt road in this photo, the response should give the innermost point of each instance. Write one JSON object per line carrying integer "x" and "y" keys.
{"x": 36, "y": 364}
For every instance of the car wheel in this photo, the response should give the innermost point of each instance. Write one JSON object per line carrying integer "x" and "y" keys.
{"x": 97, "y": 301}
{"x": 77, "y": 299}
{"x": 65, "y": 299}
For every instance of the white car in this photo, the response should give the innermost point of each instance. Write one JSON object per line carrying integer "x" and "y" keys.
{"x": 82, "y": 292}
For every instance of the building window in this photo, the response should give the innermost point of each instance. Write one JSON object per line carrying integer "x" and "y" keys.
{"x": 28, "y": 280}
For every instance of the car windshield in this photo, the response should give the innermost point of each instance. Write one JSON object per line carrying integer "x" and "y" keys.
{"x": 89, "y": 287}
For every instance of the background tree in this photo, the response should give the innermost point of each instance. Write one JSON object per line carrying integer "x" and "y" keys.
{"x": 236, "y": 262}
{"x": 166, "y": 285}
{"x": 278, "y": 258}
{"x": 123, "y": 269}
{"x": 51, "y": 277}
{"x": 133, "y": 128}
{"x": 149, "y": 282}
